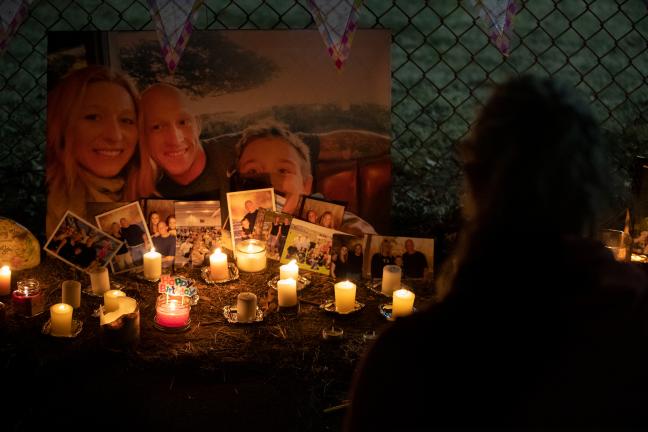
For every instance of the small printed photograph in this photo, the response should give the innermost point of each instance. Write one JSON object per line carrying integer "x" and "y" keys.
{"x": 159, "y": 210}
{"x": 243, "y": 208}
{"x": 310, "y": 245}
{"x": 81, "y": 244}
{"x": 272, "y": 227}
{"x": 347, "y": 257}
{"x": 198, "y": 232}
{"x": 126, "y": 223}
{"x": 415, "y": 256}
{"x": 328, "y": 214}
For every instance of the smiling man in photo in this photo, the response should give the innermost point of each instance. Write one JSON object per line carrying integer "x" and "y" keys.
{"x": 171, "y": 133}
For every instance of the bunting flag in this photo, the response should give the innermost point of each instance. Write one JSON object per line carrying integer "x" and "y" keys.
{"x": 12, "y": 14}
{"x": 174, "y": 24}
{"x": 497, "y": 17}
{"x": 337, "y": 21}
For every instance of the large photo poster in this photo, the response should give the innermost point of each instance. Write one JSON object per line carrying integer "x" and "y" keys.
{"x": 243, "y": 110}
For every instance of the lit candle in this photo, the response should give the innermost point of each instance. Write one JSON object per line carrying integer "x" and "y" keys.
{"x": 61, "y": 319}
{"x": 345, "y": 293}
{"x": 71, "y": 293}
{"x": 152, "y": 265}
{"x": 391, "y": 279}
{"x": 99, "y": 280}
{"x": 218, "y": 265}
{"x": 287, "y": 292}
{"x": 246, "y": 306}
{"x": 289, "y": 271}
{"x": 402, "y": 303}
{"x": 111, "y": 300}
{"x": 251, "y": 256}
{"x": 5, "y": 280}
{"x": 172, "y": 313}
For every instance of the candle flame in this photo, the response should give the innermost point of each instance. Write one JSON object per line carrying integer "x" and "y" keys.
{"x": 293, "y": 262}
{"x": 250, "y": 248}
{"x": 152, "y": 248}
{"x": 5, "y": 270}
{"x": 218, "y": 251}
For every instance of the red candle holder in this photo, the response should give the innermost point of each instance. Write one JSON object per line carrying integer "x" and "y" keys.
{"x": 27, "y": 299}
{"x": 172, "y": 313}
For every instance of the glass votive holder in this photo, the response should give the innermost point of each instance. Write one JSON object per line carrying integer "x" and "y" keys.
{"x": 28, "y": 299}
{"x": 618, "y": 242}
{"x": 251, "y": 256}
{"x": 172, "y": 313}
{"x": 120, "y": 329}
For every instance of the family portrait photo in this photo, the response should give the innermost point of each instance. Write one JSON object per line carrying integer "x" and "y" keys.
{"x": 80, "y": 244}
{"x": 325, "y": 213}
{"x": 238, "y": 113}
{"x": 415, "y": 256}
{"x": 127, "y": 224}
{"x": 243, "y": 208}
{"x": 272, "y": 227}
{"x": 310, "y": 246}
{"x": 347, "y": 257}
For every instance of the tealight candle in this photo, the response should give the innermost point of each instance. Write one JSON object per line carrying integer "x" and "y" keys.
{"x": 218, "y": 265}
{"x": 345, "y": 293}
{"x": 246, "y": 306}
{"x": 402, "y": 303}
{"x": 61, "y": 319}
{"x": 152, "y": 265}
{"x": 5, "y": 280}
{"x": 71, "y": 293}
{"x": 289, "y": 271}
{"x": 99, "y": 280}
{"x": 111, "y": 300}
{"x": 287, "y": 292}
{"x": 391, "y": 279}
{"x": 251, "y": 256}
{"x": 172, "y": 312}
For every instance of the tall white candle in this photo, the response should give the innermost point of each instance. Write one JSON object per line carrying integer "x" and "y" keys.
{"x": 5, "y": 280}
{"x": 402, "y": 303}
{"x": 287, "y": 292}
{"x": 345, "y": 293}
{"x": 250, "y": 256}
{"x": 391, "y": 279}
{"x": 71, "y": 293}
{"x": 152, "y": 265}
{"x": 99, "y": 280}
{"x": 111, "y": 300}
{"x": 61, "y": 319}
{"x": 289, "y": 271}
{"x": 218, "y": 265}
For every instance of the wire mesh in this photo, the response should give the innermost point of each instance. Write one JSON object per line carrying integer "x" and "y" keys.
{"x": 443, "y": 66}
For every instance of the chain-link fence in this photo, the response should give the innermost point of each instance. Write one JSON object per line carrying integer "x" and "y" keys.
{"x": 442, "y": 68}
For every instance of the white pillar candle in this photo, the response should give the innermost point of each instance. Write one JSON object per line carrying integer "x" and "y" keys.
{"x": 251, "y": 256}
{"x": 61, "y": 319}
{"x": 5, "y": 280}
{"x": 391, "y": 279}
{"x": 345, "y": 293}
{"x": 246, "y": 306}
{"x": 287, "y": 292}
{"x": 218, "y": 265}
{"x": 152, "y": 265}
{"x": 99, "y": 280}
{"x": 402, "y": 303}
{"x": 71, "y": 293}
{"x": 289, "y": 271}
{"x": 111, "y": 300}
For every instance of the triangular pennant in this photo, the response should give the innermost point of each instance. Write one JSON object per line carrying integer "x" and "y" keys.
{"x": 174, "y": 24}
{"x": 12, "y": 14}
{"x": 497, "y": 17}
{"x": 337, "y": 21}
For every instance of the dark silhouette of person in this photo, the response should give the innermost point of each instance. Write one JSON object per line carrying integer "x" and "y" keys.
{"x": 554, "y": 336}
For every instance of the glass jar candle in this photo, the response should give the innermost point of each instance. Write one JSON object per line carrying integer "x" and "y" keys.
{"x": 251, "y": 256}
{"x": 172, "y": 312}
{"x": 27, "y": 299}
